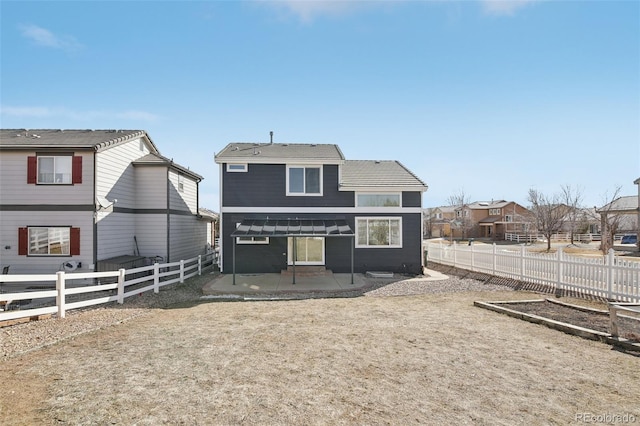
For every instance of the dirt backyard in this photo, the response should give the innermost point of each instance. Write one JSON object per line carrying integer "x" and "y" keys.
{"x": 419, "y": 359}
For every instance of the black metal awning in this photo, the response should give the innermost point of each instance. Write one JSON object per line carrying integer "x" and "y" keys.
{"x": 293, "y": 228}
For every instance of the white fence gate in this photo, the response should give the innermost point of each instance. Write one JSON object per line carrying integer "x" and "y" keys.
{"x": 609, "y": 276}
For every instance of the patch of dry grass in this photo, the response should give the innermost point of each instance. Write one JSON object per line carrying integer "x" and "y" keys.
{"x": 429, "y": 359}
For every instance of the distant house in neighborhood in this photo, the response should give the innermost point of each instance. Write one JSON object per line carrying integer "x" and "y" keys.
{"x": 437, "y": 221}
{"x": 93, "y": 200}
{"x": 305, "y": 204}
{"x": 481, "y": 219}
{"x": 621, "y": 214}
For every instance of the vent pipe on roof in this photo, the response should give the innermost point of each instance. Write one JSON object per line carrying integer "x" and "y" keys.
{"x": 271, "y": 136}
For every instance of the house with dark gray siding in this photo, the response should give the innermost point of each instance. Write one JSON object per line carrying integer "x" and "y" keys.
{"x": 283, "y": 205}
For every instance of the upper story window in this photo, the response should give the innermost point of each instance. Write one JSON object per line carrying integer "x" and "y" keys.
{"x": 508, "y": 218}
{"x": 461, "y": 213}
{"x": 377, "y": 200}
{"x": 304, "y": 180}
{"x": 54, "y": 169}
{"x": 51, "y": 169}
{"x": 181, "y": 183}
{"x": 495, "y": 212}
{"x": 236, "y": 168}
{"x": 438, "y": 215}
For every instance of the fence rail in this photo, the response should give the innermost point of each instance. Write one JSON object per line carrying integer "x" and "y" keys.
{"x": 607, "y": 276}
{"x": 128, "y": 282}
{"x": 562, "y": 236}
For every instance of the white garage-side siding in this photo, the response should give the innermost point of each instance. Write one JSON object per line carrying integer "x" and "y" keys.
{"x": 115, "y": 234}
{"x": 151, "y": 187}
{"x": 151, "y": 233}
{"x": 115, "y": 174}
{"x": 187, "y": 199}
{"x": 188, "y": 237}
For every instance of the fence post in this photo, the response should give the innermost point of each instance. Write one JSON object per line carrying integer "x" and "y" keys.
{"x": 121, "y": 275}
{"x": 523, "y": 254}
{"x": 156, "y": 277}
{"x": 611, "y": 258}
{"x": 473, "y": 263}
{"x": 181, "y": 271}
{"x": 560, "y": 270}
{"x": 60, "y": 285}
{"x": 454, "y": 254}
{"x": 199, "y": 264}
{"x": 495, "y": 255}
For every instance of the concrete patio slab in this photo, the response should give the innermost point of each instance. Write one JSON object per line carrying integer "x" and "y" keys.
{"x": 280, "y": 286}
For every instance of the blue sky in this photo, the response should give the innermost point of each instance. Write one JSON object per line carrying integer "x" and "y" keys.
{"x": 487, "y": 97}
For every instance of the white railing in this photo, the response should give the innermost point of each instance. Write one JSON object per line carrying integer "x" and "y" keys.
{"x": 607, "y": 276}
{"x": 128, "y": 282}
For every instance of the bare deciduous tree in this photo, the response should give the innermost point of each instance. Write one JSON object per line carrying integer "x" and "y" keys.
{"x": 549, "y": 218}
{"x": 609, "y": 220}
{"x": 572, "y": 198}
{"x": 463, "y": 220}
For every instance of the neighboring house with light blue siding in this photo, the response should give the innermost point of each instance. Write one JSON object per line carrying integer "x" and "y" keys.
{"x": 283, "y": 205}
{"x": 92, "y": 198}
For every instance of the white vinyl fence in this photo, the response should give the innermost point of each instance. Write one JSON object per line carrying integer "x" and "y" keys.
{"x": 609, "y": 276}
{"x": 124, "y": 283}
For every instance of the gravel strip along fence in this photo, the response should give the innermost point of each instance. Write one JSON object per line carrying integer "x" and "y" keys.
{"x": 22, "y": 338}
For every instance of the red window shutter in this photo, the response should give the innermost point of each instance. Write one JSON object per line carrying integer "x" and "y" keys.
{"x": 32, "y": 169}
{"x": 76, "y": 170}
{"x": 75, "y": 241}
{"x": 23, "y": 241}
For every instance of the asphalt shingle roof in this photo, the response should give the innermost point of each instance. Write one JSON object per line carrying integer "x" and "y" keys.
{"x": 159, "y": 160}
{"x": 78, "y": 139}
{"x": 243, "y": 151}
{"x": 370, "y": 173}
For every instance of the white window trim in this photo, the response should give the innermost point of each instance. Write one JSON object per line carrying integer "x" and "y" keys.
{"x": 180, "y": 182}
{"x": 302, "y": 262}
{"x": 252, "y": 241}
{"x": 399, "y": 194}
{"x": 508, "y": 218}
{"x": 230, "y": 168}
{"x": 48, "y": 243}
{"x": 304, "y": 166}
{"x": 399, "y": 219}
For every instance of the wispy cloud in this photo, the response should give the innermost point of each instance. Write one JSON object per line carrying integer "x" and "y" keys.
{"x": 43, "y": 37}
{"x": 504, "y": 7}
{"x": 83, "y": 116}
{"x": 308, "y": 10}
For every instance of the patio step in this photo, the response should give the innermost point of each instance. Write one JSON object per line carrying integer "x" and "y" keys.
{"x": 307, "y": 271}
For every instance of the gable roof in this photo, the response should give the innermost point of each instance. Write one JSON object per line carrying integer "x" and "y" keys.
{"x": 280, "y": 153}
{"x": 622, "y": 204}
{"x": 159, "y": 160}
{"x": 370, "y": 174}
{"x": 498, "y": 204}
{"x": 98, "y": 140}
